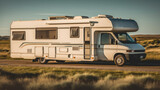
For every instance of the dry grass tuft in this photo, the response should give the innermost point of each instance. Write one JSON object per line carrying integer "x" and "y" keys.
{"x": 128, "y": 83}
{"x": 85, "y": 78}
{"x": 83, "y": 81}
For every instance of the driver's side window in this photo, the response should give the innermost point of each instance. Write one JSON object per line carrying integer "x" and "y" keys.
{"x": 107, "y": 39}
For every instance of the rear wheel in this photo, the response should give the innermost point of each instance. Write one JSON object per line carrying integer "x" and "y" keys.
{"x": 34, "y": 60}
{"x": 42, "y": 61}
{"x": 119, "y": 60}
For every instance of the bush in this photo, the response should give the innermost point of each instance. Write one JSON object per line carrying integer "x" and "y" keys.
{"x": 85, "y": 78}
{"x": 53, "y": 76}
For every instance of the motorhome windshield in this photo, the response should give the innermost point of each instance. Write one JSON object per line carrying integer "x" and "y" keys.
{"x": 124, "y": 38}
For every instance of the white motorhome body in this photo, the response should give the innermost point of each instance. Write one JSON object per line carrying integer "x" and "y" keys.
{"x": 74, "y": 38}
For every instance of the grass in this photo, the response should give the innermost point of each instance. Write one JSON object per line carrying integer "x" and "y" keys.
{"x": 153, "y": 56}
{"x": 4, "y": 49}
{"x": 48, "y": 78}
{"x": 152, "y": 47}
{"x": 5, "y": 44}
{"x": 151, "y": 43}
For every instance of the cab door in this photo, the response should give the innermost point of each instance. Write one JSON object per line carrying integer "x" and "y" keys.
{"x": 106, "y": 46}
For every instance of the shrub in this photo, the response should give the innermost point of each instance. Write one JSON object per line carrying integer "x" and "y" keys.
{"x": 85, "y": 78}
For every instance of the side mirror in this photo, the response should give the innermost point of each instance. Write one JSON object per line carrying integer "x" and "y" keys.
{"x": 135, "y": 40}
{"x": 112, "y": 41}
{"x": 116, "y": 42}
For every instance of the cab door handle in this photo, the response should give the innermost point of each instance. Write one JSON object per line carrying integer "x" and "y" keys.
{"x": 98, "y": 46}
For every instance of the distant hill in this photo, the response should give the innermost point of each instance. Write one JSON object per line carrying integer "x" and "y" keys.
{"x": 4, "y": 37}
{"x": 146, "y": 36}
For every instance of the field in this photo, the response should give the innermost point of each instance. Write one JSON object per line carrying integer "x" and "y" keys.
{"x": 50, "y": 78}
{"x": 150, "y": 42}
{"x": 4, "y": 49}
{"x": 47, "y": 78}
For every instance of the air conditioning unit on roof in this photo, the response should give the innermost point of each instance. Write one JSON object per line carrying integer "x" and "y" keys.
{"x": 105, "y": 16}
{"x": 60, "y": 17}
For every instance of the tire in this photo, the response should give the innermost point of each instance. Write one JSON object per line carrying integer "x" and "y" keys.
{"x": 119, "y": 60}
{"x": 58, "y": 61}
{"x": 42, "y": 61}
{"x": 33, "y": 60}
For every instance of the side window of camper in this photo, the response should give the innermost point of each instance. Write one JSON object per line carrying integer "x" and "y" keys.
{"x": 46, "y": 33}
{"x": 107, "y": 39}
{"x": 74, "y": 32}
{"x": 18, "y": 35}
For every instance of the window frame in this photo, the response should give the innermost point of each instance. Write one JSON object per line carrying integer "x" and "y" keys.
{"x": 110, "y": 43}
{"x": 46, "y": 29}
{"x": 24, "y": 33}
{"x": 128, "y": 38}
{"x": 71, "y": 36}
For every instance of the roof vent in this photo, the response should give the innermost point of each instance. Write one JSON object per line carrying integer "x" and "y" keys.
{"x": 105, "y": 16}
{"x": 80, "y": 17}
{"x": 60, "y": 17}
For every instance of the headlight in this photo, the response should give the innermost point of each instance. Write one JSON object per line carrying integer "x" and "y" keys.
{"x": 129, "y": 50}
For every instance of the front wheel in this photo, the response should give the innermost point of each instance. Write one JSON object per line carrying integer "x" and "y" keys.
{"x": 42, "y": 61}
{"x": 119, "y": 60}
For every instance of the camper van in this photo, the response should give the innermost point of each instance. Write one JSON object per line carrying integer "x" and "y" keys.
{"x": 76, "y": 38}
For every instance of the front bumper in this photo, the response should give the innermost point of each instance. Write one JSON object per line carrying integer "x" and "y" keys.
{"x": 135, "y": 56}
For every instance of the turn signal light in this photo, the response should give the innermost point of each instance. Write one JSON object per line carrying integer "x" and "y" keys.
{"x": 92, "y": 57}
{"x": 129, "y": 50}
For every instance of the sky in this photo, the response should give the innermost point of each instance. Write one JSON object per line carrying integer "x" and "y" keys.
{"x": 145, "y": 12}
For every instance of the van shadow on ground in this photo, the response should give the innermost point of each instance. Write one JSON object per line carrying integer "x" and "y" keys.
{"x": 142, "y": 63}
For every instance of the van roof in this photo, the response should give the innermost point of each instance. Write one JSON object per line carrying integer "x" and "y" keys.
{"x": 107, "y": 22}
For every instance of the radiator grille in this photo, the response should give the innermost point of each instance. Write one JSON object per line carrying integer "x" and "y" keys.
{"x": 139, "y": 50}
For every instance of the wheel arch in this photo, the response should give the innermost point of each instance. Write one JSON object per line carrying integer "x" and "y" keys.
{"x": 119, "y": 54}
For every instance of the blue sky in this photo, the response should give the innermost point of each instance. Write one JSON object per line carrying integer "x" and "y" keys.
{"x": 145, "y": 12}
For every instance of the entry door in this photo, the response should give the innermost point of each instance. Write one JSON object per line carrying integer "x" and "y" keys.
{"x": 39, "y": 51}
{"x": 87, "y": 43}
{"x": 107, "y": 46}
{"x": 51, "y": 52}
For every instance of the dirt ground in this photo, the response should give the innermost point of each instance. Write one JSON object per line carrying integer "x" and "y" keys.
{"x": 145, "y": 66}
